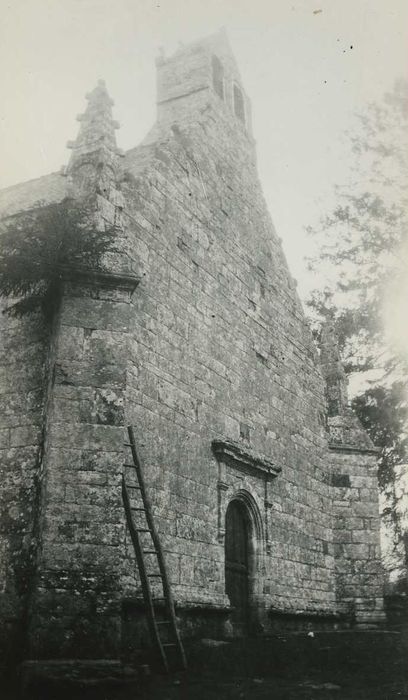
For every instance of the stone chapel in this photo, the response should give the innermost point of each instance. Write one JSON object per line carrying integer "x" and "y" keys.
{"x": 262, "y": 481}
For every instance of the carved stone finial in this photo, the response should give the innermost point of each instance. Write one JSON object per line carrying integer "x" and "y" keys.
{"x": 95, "y": 155}
{"x": 333, "y": 370}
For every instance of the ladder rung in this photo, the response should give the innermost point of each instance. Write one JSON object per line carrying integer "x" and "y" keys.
{"x": 138, "y": 515}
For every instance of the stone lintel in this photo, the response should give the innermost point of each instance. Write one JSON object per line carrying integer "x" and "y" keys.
{"x": 99, "y": 278}
{"x": 305, "y": 614}
{"x": 341, "y": 447}
{"x": 241, "y": 457}
{"x": 193, "y": 606}
{"x": 187, "y": 605}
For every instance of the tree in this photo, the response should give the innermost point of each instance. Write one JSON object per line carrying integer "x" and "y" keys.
{"x": 364, "y": 256}
{"x": 38, "y": 245}
{"x": 384, "y": 414}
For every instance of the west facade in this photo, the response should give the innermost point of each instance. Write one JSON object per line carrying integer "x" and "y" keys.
{"x": 262, "y": 481}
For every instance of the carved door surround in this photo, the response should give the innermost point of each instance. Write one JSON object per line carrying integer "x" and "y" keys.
{"x": 240, "y": 457}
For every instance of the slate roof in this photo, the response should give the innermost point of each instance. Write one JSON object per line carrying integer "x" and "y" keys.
{"x": 49, "y": 188}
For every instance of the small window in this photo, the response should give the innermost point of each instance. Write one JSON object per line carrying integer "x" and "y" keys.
{"x": 239, "y": 107}
{"x": 218, "y": 76}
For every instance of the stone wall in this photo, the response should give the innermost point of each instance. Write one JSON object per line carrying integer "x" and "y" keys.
{"x": 221, "y": 349}
{"x": 353, "y": 477}
{"x": 22, "y": 375}
{"x": 212, "y": 361}
{"x": 76, "y": 604}
{"x": 359, "y": 576}
{"x": 75, "y": 609}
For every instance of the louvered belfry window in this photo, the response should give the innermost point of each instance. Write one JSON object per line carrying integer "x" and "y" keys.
{"x": 218, "y": 76}
{"x": 239, "y": 108}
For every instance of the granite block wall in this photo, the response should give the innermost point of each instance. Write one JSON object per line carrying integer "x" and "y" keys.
{"x": 23, "y": 351}
{"x": 221, "y": 349}
{"x": 211, "y": 360}
{"x": 76, "y": 598}
{"x": 359, "y": 575}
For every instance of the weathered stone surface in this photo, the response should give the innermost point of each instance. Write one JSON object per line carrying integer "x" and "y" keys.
{"x": 23, "y": 351}
{"x": 212, "y": 346}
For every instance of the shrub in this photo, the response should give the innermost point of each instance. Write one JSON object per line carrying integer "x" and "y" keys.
{"x": 38, "y": 245}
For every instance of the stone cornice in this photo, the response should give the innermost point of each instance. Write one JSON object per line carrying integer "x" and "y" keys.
{"x": 341, "y": 447}
{"x": 99, "y": 278}
{"x": 240, "y": 456}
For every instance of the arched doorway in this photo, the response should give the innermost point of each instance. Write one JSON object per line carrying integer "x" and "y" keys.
{"x": 237, "y": 563}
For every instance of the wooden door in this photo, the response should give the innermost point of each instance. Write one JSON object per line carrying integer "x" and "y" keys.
{"x": 236, "y": 564}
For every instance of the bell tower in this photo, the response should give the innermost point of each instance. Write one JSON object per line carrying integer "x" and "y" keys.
{"x": 198, "y": 75}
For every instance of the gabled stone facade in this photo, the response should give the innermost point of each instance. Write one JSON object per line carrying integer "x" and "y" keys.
{"x": 196, "y": 337}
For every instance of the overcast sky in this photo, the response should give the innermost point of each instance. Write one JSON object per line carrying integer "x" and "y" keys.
{"x": 306, "y": 65}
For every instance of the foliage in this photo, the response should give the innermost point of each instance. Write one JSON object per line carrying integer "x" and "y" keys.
{"x": 383, "y": 412}
{"x": 38, "y": 245}
{"x": 364, "y": 256}
{"x": 364, "y": 239}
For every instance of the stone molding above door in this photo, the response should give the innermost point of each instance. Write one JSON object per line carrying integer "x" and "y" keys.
{"x": 240, "y": 457}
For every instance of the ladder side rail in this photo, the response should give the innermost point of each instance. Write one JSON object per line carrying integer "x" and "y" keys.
{"x": 149, "y": 518}
{"x": 147, "y": 595}
{"x": 167, "y": 592}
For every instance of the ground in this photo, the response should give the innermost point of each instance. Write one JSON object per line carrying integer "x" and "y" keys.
{"x": 357, "y": 665}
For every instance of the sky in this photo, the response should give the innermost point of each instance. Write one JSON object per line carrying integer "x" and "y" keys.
{"x": 308, "y": 66}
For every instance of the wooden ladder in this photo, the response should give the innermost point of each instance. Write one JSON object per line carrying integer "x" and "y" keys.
{"x": 146, "y": 543}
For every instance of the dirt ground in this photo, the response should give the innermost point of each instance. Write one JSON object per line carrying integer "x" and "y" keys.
{"x": 211, "y": 688}
{"x": 350, "y": 666}
{"x": 322, "y": 666}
